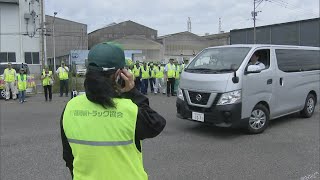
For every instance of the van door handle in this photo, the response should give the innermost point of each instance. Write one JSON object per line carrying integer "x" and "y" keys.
{"x": 269, "y": 81}
{"x": 281, "y": 81}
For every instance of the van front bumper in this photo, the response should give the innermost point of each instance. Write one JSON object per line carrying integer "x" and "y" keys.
{"x": 218, "y": 115}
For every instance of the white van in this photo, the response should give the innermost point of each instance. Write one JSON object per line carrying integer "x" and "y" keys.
{"x": 222, "y": 87}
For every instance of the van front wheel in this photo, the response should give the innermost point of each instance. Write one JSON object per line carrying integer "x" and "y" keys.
{"x": 258, "y": 120}
{"x": 309, "y": 106}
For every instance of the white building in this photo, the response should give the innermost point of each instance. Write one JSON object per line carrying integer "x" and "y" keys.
{"x": 20, "y": 39}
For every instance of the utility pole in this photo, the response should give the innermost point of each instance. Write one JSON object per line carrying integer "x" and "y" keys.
{"x": 42, "y": 35}
{"x": 219, "y": 26}
{"x": 254, "y": 14}
{"x": 54, "y": 42}
{"x": 189, "y": 24}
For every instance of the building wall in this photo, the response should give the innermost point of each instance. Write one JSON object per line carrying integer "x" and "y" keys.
{"x": 120, "y": 30}
{"x": 13, "y": 26}
{"x": 68, "y": 35}
{"x": 218, "y": 39}
{"x": 301, "y": 33}
{"x": 183, "y": 45}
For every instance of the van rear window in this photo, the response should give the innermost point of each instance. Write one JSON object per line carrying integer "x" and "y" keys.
{"x": 295, "y": 60}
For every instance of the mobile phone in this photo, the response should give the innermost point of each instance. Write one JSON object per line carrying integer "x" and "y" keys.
{"x": 120, "y": 81}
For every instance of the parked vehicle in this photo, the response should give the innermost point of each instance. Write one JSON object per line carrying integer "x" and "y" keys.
{"x": 219, "y": 87}
{"x": 17, "y": 67}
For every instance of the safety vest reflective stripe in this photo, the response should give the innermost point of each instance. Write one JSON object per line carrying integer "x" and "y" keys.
{"x": 22, "y": 83}
{"x": 46, "y": 80}
{"x": 63, "y": 74}
{"x": 145, "y": 73}
{"x": 101, "y": 143}
{"x": 171, "y": 70}
{"x": 9, "y": 75}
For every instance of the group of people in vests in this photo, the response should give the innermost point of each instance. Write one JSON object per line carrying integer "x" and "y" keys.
{"x": 160, "y": 77}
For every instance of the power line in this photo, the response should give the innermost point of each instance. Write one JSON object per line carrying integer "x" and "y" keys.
{"x": 291, "y": 7}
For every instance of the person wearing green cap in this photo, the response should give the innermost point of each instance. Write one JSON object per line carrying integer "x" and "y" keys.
{"x": 63, "y": 72}
{"x": 101, "y": 131}
{"x": 22, "y": 85}
{"x": 47, "y": 81}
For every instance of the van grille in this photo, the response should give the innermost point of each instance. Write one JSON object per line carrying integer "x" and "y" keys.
{"x": 194, "y": 97}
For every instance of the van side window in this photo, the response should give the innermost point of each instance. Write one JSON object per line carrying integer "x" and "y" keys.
{"x": 261, "y": 57}
{"x": 295, "y": 60}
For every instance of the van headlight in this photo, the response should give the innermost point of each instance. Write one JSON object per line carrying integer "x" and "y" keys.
{"x": 180, "y": 94}
{"x": 230, "y": 98}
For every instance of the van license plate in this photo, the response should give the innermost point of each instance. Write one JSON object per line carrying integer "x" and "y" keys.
{"x": 198, "y": 116}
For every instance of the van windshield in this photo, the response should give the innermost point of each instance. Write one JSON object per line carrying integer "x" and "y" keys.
{"x": 218, "y": 60}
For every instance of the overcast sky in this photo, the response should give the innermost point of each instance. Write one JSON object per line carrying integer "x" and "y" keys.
{"x": 170, "y": 16}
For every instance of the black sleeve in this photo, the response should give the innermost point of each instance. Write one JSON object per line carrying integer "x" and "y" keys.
{"x": 67, "y": 152}
{"x": 149, "y": 122}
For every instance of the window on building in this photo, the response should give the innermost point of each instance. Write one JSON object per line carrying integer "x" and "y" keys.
{"x": 7, "y": 57}
{"x": 32, "y": 57}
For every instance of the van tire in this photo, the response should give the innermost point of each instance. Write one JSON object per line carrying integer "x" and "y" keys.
{"x": 259, "y": 119}
{"x": 309, "y": 106}
{"x": 3, "y": 93}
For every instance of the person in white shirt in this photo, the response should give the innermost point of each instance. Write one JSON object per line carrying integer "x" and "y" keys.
{"x": 63, "y": 74}
{"x": 255, "y": 61}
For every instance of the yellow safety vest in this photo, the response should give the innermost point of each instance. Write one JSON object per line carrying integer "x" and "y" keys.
{"x": 9, "y": 75}
{"x": 154, "y": 72}
{"x": 22, "y": 82}
{"x": 103, "y": 140}
{"x": 63, "y": 74}
{"x": 46, "y": 80}
{"x": 178, "y": 70}
{"x": 171, "y": 70}
{"x": 136, "y": 71}
{"x": 159, "y": 72}
{"x": 145, "y": 73}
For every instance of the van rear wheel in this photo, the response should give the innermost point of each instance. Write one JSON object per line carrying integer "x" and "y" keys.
{"x": 309, "y": 106}
{"x": 3, "y": 93}
{"x": 259, "y": 119}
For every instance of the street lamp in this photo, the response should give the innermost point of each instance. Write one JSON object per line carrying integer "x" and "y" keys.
{"x": 54, "y": 42}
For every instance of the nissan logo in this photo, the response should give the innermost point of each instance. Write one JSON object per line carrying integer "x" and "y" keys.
{"x": 198, "y": 97}
{"x": 75, "y": 55}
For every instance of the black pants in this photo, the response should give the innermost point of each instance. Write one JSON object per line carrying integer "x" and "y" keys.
{"x": 48, "y": 89}
{"x": 137, "y": 83}
{"x": 152, "y": 83}
{"x": 144, "y": 86}
{"x": 170, "y": 86}
{"x": 64, "y": 86}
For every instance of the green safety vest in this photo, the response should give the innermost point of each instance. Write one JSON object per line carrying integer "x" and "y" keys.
{"x": 171, "y": 70}
{"x": 136, "y": 71}
{"x": 178, "y": 71}
{"x": 145, "y": 73}
{"x": 46, "y": 80}
{"x": 182, "y": 67}
{"x": 63, "y": 74}
{"x": 9, "y": 75}
{"x": 153, "y": 72}
{"x": 22, "y": 82}
{"x": 159, "y": 72}
{"x": 102, "y": 140}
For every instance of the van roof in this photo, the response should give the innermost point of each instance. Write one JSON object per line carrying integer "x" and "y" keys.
{"x": 5, "y": 63}
{"x": 268, "y": 45}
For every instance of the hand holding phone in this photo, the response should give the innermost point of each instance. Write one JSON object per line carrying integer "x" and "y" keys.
{"x": 125, "y": 80}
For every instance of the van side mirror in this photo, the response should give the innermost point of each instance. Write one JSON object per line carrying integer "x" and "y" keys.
{"x": 253, "y": 69}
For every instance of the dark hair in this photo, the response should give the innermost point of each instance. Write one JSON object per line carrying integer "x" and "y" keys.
{"x": 100, "y": 88}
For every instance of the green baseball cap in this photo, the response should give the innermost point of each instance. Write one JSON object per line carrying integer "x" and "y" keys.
{"x": 106, "y": 57}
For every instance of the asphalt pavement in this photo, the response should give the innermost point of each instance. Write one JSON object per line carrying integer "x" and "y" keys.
{"x": 185, "y": 150}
